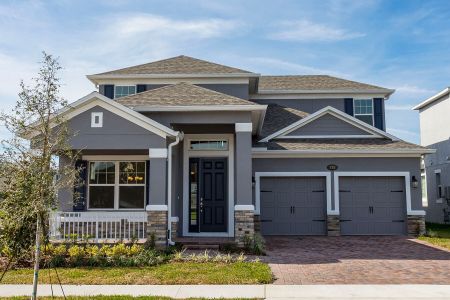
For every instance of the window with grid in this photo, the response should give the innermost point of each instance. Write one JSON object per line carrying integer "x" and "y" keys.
{"x": 124, "y": 90}
{"x": 363, "y": 110}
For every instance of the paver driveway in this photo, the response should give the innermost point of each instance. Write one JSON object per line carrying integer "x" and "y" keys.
{"x": 356, "y": 260}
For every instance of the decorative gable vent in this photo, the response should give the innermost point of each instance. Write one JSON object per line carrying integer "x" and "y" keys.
{"x": 97, "y": 119}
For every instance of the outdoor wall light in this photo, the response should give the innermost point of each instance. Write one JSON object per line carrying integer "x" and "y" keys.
{"x": 414, "y": 182}
{"x": 253, "y": 182}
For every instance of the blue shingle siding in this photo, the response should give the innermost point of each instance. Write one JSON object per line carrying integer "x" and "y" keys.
{"x": 109, "y": 90}
{"x": 79, "y": 195}
{"x": 349, "y": 106}
{"x": 378, "y": 113}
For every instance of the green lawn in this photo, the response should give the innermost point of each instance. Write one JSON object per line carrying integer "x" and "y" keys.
{"x": 437, "y": 234}
{"x": 170, "y": 273}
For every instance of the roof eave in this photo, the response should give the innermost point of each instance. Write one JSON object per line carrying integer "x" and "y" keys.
{"x": 317, "y": 151}
{"x": 432, "y": 99}
{"x": 93, "y": 78}
{"x": 256, "y": 107}
{"x": 387, "y": 92}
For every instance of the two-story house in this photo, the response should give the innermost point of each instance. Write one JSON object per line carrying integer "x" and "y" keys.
{"x": 183, "y": 147}
{"x": 435, "y": 134}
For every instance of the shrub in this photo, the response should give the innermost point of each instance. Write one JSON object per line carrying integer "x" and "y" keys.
{"x": 76, "y": 255}
{"x": 254, "y": 244}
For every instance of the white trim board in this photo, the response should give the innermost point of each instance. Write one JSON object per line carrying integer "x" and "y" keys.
{"x": 336, "y": 113}
{"x": 258, "y": 176}
{"x": 187, "y": 153}
{"x": 406, "y": 175}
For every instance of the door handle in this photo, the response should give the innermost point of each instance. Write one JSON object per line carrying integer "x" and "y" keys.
{"x": 291, "y": 210}
{"x": 201, "y": 204}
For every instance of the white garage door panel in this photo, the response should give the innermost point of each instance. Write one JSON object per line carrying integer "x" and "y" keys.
{"x": 372, "y": 205}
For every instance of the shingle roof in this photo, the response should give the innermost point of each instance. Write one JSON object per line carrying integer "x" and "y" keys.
{"x": 181, "y": 94}
{"x": 340, "y": 144}
{"x": 313, "y": 82}
{"x": 278, "y": 117}
{"x": 177, "y": 65}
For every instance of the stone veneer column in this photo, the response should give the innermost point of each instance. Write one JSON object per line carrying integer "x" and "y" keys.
{"x": 416, "y": 225}
{"x": 333, "y": 225}
{"x": 244, "y": 208}
{"x": 157, "y": 206}
{"x": 243, "y": 223}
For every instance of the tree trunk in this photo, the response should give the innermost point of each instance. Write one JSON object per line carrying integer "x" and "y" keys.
{"x": 36, "y": 258}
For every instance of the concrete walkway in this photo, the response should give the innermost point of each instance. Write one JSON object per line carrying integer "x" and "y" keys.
{"x": 244, "y": 291}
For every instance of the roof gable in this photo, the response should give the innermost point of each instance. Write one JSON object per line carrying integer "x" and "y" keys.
{"x": 96, "y": 99}
{"x": 371, "y": 131}
{"x": 182, "y": 94}
{"x": 328, "y": 125}
{"x": 177, "y": 65}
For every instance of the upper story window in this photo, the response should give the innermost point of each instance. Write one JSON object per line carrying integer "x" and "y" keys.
{"x": 124, "y": 90}
{"x": 363, "y": 110}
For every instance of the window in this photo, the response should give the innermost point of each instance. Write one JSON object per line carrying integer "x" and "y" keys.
{"x": 424, "y": 189}
{"x": 117, "y": 185}
{"x": 364, "y": 110}
{"x": 97, "y": 119}
{"x": 124, "y": 90}
{"x": 209, "y": 145}
{"x": 438, "y": 185}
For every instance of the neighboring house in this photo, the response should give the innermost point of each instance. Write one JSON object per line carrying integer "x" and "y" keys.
{"x": 435, "y": 134}
{"x": 188, "y": 148}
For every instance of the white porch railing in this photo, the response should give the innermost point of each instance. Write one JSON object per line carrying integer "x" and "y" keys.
{"x": 98, "y": 226}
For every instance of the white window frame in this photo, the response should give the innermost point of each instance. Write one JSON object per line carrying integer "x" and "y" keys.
{"x": 98, "y": 124}
{"x": 187, "y": 153}
{"x": 116, "y": 185}
{"x": 209, "y": 140}
{"x": 372, "y": 114}
{"x": 125, "y": 85}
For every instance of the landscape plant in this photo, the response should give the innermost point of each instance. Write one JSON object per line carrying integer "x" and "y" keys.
{"x": 29, "y": 165}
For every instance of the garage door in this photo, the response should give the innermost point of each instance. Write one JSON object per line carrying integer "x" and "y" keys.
{"x": 372, "y": 205}
{"x": 293, "y": 206}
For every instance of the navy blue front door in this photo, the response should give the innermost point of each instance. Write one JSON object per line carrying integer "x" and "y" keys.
{"x": 208, "y": 195}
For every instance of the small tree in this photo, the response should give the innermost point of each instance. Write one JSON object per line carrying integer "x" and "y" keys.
{"x": 29, "y": 164}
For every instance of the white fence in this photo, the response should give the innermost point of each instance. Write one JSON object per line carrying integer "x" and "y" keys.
{"x": 100, "y": 227}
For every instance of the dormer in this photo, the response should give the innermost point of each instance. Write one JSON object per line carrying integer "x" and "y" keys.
{"x": 131, "y": 80}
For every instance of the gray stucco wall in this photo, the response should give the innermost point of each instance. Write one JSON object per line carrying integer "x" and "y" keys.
{"x": 433, "y": 162}
{"x": 243, "y": 167}
{"x": 411, "y": 165}
{"x": 328, "y": 125}
{"x": 306, "y": 105}
{"x": 116, "y": 133}
{"x": 65, "y": 195}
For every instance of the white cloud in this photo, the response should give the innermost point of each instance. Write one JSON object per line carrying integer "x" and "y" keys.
{"x": 403, "y": 132}
{"x": 162, "y": 26}
{"x": 307, "y": 31}
{"x": 413, "y": 90}
{"x": 273, "y": 65}
{"x": 399, "y": 107}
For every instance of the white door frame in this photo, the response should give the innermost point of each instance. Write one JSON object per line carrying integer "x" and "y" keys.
{"x": 258, "y": 176}
{"x": 406, "y": 175}
{"x": 187, "y": 153}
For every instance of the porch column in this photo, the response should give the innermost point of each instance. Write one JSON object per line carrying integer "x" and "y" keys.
{"x": 157, "y": 206}
{"x": 244, "y": 208}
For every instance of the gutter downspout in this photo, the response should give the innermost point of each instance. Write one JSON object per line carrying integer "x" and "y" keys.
{"x": 178, "y": 138}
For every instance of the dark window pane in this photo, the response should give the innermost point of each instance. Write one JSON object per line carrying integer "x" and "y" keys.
{"x": 368, "y": 119}
{"x": 131, "y": 197}
{"x": 132, "y": 172}
{"x": 101, "y": 197}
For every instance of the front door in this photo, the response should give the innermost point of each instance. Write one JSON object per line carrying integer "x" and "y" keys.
{"x": 208, "y": 195}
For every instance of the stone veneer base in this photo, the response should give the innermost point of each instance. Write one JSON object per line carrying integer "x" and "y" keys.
{"x": 416, "y": 225}
{"x": 333, "y": 225}
{"x": 157, "y": 225}
{"x": 244, "y": 225}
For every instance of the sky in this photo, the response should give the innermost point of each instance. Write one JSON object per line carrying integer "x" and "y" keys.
{"x": 402, "y": 45}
